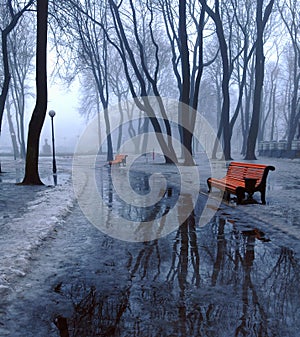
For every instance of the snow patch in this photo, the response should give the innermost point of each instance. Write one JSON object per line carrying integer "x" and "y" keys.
{"x": 26, "y": 231}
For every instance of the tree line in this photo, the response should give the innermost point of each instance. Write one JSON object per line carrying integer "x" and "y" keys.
{"x": 235, "y": 62}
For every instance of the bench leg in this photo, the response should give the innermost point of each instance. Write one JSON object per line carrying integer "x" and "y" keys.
{"x": 226, "y": 196}
{"x": 240, "y": 194}
{"x": 209, "y": 186}
{"x": 263, "y": 196}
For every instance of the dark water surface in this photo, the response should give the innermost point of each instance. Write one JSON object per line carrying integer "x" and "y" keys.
{"x": 220, "y": 280}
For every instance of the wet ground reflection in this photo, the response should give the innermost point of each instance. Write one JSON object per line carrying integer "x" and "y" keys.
{"x": 139, "y": 183}
{"x": 219, "y": 280}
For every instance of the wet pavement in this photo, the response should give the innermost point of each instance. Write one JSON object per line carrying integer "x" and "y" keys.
{"x": 237, "y": 275}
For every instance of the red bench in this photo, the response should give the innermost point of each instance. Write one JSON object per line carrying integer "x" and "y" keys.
{"x": 119, "y": 159}
{"x": 243, "y": 178}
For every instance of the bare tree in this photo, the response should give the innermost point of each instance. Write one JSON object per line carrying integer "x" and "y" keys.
{"x": 120, "y": 90}
{"x": 39, "y": 112}
{"x": 289, "y": 12}
{"x": 262, "y": 18}
{"x": 12, "y": 130}
{"x": 269, "y": 102}
{"x": 133, "y": 53}
{"x": 187, "y": 62}
{"x": 215, "y": 15}
{"x": 246, "y": 108}
{"x": 12, "y": 13}
{"x": 21, "y": 43}
{"x": 93, "y": 55}
{"x": 143, "y": 73}
{"x": 242, "y": 35}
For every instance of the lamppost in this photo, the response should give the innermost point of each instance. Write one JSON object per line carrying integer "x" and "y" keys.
{"x": 52, "y": 114}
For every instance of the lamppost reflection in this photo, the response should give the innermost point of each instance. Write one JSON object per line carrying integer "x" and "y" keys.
{"x": 52, "y": 114}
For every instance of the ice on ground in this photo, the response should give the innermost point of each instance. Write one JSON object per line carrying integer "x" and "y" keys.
{"x": 29, "y": 214}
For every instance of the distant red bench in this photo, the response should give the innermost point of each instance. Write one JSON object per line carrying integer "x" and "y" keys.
{"x": 119, "y": 159}
{"x": 243, "y": 178}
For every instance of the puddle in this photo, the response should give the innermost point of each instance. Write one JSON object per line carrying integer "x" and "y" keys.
{"x": 139, "y": 182}
{"x": 227, "y": 278}
{"x": 212, "y": 281}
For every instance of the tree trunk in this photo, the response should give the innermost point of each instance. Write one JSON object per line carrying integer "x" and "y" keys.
{"x": 120, "y": 129}
{"x": 272, "y": 137}
{"x": 185, "y": 109}
{"x": 37, "y": 119}
{"x": 259, "y": 77}
{"x": 5, "y": 86}
{"x": 6, "y": 75}
{"x": 294, "y": 115}
{"x": 110, "y": 155}
{"x": 13, "y": 135}
{"x": 225, "y": 91}
{"x": 224, "y": 127}
{"x": 246, "y": 117}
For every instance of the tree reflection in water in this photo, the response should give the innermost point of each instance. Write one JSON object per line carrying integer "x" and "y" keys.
{"x": 217, "y": 280}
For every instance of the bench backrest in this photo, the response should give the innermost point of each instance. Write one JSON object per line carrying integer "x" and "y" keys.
{"x": 120, "y": 156}
{"x": 240, "y": 171}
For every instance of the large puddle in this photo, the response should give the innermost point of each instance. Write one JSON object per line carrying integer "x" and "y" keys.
{"x": 216, "y": 281}
{"x": 224, "y": 279}
{"x": 227, "y": 278}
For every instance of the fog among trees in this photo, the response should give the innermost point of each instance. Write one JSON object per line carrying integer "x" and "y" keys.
{"x": 236, "y": 62}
